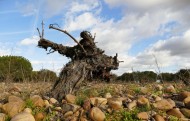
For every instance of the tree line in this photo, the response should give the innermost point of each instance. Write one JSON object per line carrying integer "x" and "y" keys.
{"x": 19, "y": 69}
{"x": 150, "y": 76}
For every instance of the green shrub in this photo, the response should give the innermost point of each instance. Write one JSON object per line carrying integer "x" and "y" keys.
{"x": 29, "y": 104}
{"x": 44, "y": 75}
{"x": 15, "y": 68}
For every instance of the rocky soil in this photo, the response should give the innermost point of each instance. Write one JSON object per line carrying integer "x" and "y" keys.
{"x": 96, "y": 102}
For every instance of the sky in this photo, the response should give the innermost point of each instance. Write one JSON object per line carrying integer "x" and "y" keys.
{"x": 144, "y": 33}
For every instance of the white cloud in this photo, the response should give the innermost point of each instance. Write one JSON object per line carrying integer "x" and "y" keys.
{"x": 140, "y": 21}
{"x": 54, "y": 65}
{"x": 36, "y": 62}
{"x": 51, "y": 8}
{"x": 84, "y": 5}
{"x": 82, "y": 15}
{"x": 133, "y": 27}
{"x": 81, "y": 22}
{"x": 30, "y": 41}
{"x": 170, "y": 52}
{"x": 177, "y": 46}
{"x": 149, "y": 4}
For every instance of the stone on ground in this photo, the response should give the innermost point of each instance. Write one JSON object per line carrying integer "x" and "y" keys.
{"x": 171, "y": 102}
{"x": 157, "y": 98}
{"x": 96, "y": 114}
{"x": 142, "y": 101}
{"x": 47, "y": 104}
{"x": 107, "y": 95}
{"x": 143, "y": 116}
{"x": 144, "y": 90}
{"x": 70, "y": 98}
{"x": 97, "y": 101}
{"x": 187, "y": 102}
{"x": 53, "y": 101}
{"x": 159, "y": 87}
{"x": 163, "y": 105}
{"x": 86, "y": 105}
{"x": 2, "y": 117}
{"x": 184, "y": 95}
{"x": 28, "y": 110}
{"x": 13, "y": 98}
{"x": 185, "y": 112}
{"x": 170, "y": 89}
{"x": 38, "y": 101}
{"x": 70, "y": 107}
{"x": 39, "y": 116}
{"x": 12, "y": 108}
{"x": 158, "y": 118}
{"x": 175, "y": 112}
{"x": 23, "y": 116}
{"x": 67, "y": 114}
{"x": 132, "y": 105}
{"x": 115, "y": 103}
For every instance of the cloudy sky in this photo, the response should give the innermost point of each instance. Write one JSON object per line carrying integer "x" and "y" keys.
{"x": 140, "y": 31}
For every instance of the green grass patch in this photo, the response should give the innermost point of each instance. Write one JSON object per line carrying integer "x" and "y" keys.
{"x": 123, "y": 115}
{"x": 173, "y": 118}
{"x": 29, "y": 104}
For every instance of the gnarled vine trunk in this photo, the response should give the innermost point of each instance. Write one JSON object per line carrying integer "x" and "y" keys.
{"x": 71, "y": 77}
{"x": 87, "y": 62}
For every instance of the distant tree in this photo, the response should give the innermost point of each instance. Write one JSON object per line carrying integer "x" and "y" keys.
{"x": 168, "y": 76}
{"x": 148, "y": 76}
{"x": 183, "y": 75}
{"x": 145, "y": 76}
{"x": 126, "y": 77}
{"x": 16, "y": 68}
{"x": 44, "y": 75}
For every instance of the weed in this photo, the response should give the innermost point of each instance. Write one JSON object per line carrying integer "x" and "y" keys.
{"x": 80, "y": 100}
{"x": 29, "y": 104}
{"x": 123, "y": 115}
{"x": 129, "y": 116}
{"x": 113, "y": 117}
{"x": 173, "y": 118}
{"x": 50, "y": 116}
{"x": 35, "y": 110}
{"x": 38, "y": 110}
{"x": 157, "y": 93}
{"x": 137, "y": 90}
{"x": 143, "y": 108}
{"x": 25, "y": 94}
{"x": 105, "y": 90}
{"x": 7, "y": 118}
{"x": 88, "y": 92}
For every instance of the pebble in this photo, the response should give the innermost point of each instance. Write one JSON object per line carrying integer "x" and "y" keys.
{"x": 175, "y": 112}
{"x": 143, "y": 115}
{"x": 23, "y": 116}
{"x": 96, "y": 114}
{"x": 115, "y": 103}
{"x": 70, "y": 98}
